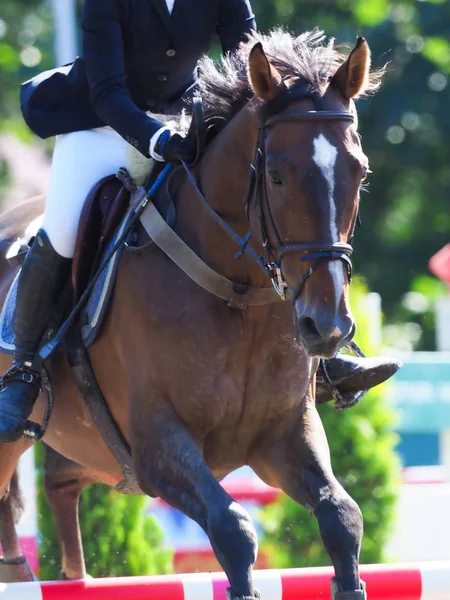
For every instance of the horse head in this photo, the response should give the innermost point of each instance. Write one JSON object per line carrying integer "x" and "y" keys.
{"x": 311, "y": 165}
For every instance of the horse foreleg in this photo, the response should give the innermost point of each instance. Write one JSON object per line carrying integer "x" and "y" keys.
{"x": 169, "y": 464}
{"x": 64, "y": 481}
{"x": 14, "y": 566}
{"x": 295, "y": 457}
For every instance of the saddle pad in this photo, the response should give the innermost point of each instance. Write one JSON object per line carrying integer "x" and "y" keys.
{"x": 92, "y": 316}
{"x": 6, "y": 332}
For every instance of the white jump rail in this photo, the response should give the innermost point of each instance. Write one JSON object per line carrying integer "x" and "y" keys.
{"x": 414, "y": 581}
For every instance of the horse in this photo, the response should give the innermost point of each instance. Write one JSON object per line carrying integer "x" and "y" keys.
{"x": 199, "y": 386}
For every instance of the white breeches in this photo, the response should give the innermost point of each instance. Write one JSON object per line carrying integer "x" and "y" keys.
{"x": 80, "y": 160}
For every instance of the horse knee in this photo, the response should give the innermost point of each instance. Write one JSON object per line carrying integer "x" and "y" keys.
{"x": 341, "y": 522}
{"x": 62, "y": 492}
{"x": 232, "y": 533}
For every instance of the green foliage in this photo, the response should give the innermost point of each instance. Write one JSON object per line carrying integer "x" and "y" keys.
{"x": 119, "y": 539}
{"x": 414, "y": 316}
{"x": 25, "y": 49}
{"x": 362, "y": 452}
{"x": 371, "y": 13}
{"x": 437, "y": 50}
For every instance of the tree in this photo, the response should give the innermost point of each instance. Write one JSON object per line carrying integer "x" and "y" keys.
{"x": 362, "y": 452}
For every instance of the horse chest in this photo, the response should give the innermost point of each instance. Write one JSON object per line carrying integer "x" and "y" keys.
{"x": 262, "y": 401}
{"x": 221, "y": 370}
{"x": 249, "y": 387}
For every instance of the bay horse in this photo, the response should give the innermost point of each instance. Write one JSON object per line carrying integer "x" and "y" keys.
{"x": 199, "y": 387}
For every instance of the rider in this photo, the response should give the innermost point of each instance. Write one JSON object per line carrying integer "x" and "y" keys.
{"x": 139, "y": 56}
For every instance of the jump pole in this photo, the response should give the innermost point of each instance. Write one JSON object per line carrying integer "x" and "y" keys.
{"x": 414, "y": 581}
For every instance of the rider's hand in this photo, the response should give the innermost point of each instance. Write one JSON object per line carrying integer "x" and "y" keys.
{"x": 173, "y": 148}
{"x": 176, "y": 149}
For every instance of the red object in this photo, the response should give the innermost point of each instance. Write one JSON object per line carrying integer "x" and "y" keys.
{"x": 439, "y": 264}
{"x": 117, "y": 588}
{"x": 251, "y": 489}
{"x": 384, "y": 582}
{"x": 415, "y": 581}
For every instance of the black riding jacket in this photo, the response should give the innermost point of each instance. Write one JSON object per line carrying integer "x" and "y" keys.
{"x": 137, "y": 57}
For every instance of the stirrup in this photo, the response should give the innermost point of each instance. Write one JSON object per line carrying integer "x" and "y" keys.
{"x": 339, "y": 399}
{"x": 22, "y": 372}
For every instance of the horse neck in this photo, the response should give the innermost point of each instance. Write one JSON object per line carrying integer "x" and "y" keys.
{"x": 223, "y": 177}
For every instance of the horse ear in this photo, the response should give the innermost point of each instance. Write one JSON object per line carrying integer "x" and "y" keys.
{"x": 352, "y": 77}
{"x": 265, "y": 80}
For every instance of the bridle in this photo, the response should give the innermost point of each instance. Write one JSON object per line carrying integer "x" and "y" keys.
{"x": 314, "y": 251}
{"x": 271, "y": 263}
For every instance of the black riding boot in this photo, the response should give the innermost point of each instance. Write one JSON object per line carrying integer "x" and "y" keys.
{"x": 42, "y": 278}
{"x": 347, "y": 378}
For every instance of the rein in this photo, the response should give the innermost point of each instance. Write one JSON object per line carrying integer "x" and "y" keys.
{"x": 271, "y": 263}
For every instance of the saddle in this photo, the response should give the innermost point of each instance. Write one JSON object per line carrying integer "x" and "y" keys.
{"x": 108, "y": 201}
{"x": 105, "y": 217}
{"x": 104, "y": 209}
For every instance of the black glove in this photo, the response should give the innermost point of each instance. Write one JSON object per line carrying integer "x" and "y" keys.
{"x": 176, "y": 149}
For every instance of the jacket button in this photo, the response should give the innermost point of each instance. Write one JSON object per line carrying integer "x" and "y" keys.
{"x": 163, "y": 77}
{"x": 171, "y": 53}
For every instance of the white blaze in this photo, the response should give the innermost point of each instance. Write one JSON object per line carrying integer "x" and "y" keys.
{"x": 325, "y": 155}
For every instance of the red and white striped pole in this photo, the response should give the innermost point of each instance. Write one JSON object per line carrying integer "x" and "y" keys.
{"x": 415, "y": 581}
{"x": 27, "y": 529}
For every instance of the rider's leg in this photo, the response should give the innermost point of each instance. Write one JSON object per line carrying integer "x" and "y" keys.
{"x": 79, "y": 161}
{"x": 352, "y": 377}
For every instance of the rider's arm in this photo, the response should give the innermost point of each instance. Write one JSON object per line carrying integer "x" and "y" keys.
{"x": 103, "y": 54}
{"x": 236, "y": 19}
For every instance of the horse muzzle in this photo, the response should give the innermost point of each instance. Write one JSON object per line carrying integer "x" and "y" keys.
{"x": 322, "y": 335}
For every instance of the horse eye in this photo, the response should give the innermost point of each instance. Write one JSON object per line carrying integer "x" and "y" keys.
{"x": 275, "y": 178}
{"x": 366, "y": 171}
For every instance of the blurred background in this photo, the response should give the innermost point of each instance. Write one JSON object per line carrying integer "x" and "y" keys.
{"x": 392, "y": 452}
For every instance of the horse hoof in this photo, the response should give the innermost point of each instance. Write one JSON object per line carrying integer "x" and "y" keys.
{"x": 16, "y": 570}
{"x": 232, "y": 596}
{"x": 337, "y": 593}
{"x": 65, "y": 577}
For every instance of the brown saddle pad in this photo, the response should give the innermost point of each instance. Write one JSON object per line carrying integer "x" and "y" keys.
{"x": 103, "y": 211}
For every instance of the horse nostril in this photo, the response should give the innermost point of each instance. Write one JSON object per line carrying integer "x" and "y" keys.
{"x": 307, "y": 328}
